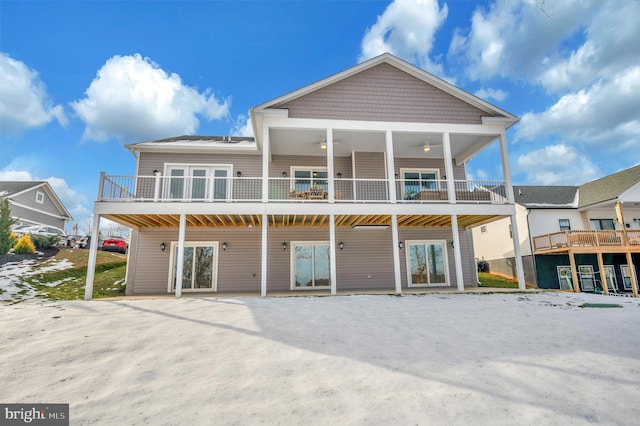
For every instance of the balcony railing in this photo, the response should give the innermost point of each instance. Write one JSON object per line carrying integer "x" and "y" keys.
{"x": 249, "y": 189}
{"x": 568, "y": 239}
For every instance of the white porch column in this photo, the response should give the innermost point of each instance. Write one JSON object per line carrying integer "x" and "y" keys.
{"x": 332, "y": 253}
{"x": 448, "y": 167}
{"x": 396, "y": 253}
{"x": 266, "y": 148}
{"x": 180, "y": 260}
{"x": 516, "y": 251}
{"x": 456, "y": 252}
{"x": 93, "y": 253}
{"x": 391, "y": 176}
{"x": 330, "y": 171}
{"x": 263, "y": 273}
{"x": 508, "y": 187}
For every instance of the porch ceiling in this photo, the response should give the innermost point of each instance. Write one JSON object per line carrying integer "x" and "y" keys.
{"x": 302, "y": 220}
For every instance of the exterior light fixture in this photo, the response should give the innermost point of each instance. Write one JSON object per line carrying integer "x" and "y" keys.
{"x": 163, "y": 246}
{"x": 426, "y": 148}
{"x": 284, "y": 245}
{"x": 284, "y": 174}
{"x": 400, "y": 245}
{"x": 238, "y": 173}
{"x": 451, "y": 244}
{"x": 397, "y": 176}
{"x": 341, "y": 245}
{"x": 155, "y": 172}
{"x": 339, "y": 175}
{"x": 323, "y": 144}
{"x": 224, "y": 246}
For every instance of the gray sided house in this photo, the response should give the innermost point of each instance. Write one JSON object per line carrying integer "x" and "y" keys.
{"x": 572, "y": 237}
{"x": 34, "y": 203}
{"x": 355, "y": 182}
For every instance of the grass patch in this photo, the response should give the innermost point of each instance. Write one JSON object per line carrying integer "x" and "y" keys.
{"x": 68, "y": 284}
{"x": 600, "y": 305}
{"x": 489, "y": 280}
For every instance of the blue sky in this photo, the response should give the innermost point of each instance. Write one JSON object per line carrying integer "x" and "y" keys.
{"x": 80, "y": 79}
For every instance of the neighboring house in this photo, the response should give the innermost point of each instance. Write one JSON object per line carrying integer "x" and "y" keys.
{"x": 355, "y": 182}
{"x": 34, "y": 203}
{"x": 572, "y": 237}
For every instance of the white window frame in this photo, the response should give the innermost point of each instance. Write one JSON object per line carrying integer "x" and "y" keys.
{"x": 404, "y": 180}
{"x": 625, "y": 272}
{"x": 613, "y": 274}
{"x": 407, "y": 245}
{"x": 39, "y": 197}
{"x": 570, "y": 275}
{"x": 294, "y": 169}
{"x": 292, "y": 265}
{"x": 187, "y": 168}
{"x": 173, "y": 260}
{"x": 568, "y": 224}
{"x": 593, "y": 277}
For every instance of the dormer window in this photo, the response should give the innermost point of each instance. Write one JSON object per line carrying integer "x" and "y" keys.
{"x": 40, "y": 197}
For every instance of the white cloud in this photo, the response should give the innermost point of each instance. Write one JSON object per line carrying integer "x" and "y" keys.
{"x": 74, "y": 201}
{"x": 406, "y": 29}
{"x": 132, "y": 98}
{"x": 488, "y": 93}
{"x": 242, "y": 126}
{"x": 24, "y": 102}
{"x": 557, "y": 165}
{"x": 605, "y": 114}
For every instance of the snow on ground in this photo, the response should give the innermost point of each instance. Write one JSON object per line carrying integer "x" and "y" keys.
{"x": 13, "y": 289}
{"x": 504, "y": 358}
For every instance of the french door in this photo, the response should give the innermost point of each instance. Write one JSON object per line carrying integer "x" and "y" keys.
{"x": 310, "y": 267}
{"x": 198, "y": 183}
{"x": 427, "y": 263}
{"x": 200, "y": 266}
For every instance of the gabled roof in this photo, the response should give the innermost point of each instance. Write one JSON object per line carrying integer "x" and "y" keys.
{"x": 188, "y": 143}
{"x": 609, "y": 187}
{"x": 10, "y": 189}
{"x": 394, "y": 61}
{"x": 547, "y": 197}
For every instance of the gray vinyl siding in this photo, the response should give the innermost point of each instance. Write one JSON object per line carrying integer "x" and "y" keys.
{"x": 365, "y": 263}
{"x": 383, "y": 93}
{"x": 29, "y": 199}
{"x": 36, "y": 217}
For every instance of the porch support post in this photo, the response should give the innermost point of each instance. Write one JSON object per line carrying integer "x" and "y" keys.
{"x": 93, "y": 253}
{"x": 623, "y": 226}
{"x": 508, "y": 187}
{"x": 332, "y": 252}
{"x": 574, "y": 272}
{"x": 330, "y": 171}
{"x": 391, "y": 176}
{"x": 263, "y": 273}
{"x": 456, "y": 252}
{"x": 517, "y": 253}
{"x": 448, "y": 167}
{"x": 265, "y": 164}
{"x": 396, "y": 253}
{"x": 603, "y": 275}
{"x": 156, "y": 187}
{"x": 180, "y": 260}
{"x": 632, "y": 275}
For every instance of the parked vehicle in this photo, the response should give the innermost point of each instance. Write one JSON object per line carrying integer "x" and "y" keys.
{"x": 45, "y": 231}
{"x": 117, "y": 244}
{"x": 77, "y": 241}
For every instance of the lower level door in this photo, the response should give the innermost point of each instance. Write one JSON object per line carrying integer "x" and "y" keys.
{"x": 427, "y": 263}
{"x": 310, "y": 267}
{"x": 199, "y": 268}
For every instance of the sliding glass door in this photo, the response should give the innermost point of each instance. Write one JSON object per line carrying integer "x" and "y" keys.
{"x": 310, "y": 265}
{"x": 199, "y": 268}
{"x": 427, "y": 263}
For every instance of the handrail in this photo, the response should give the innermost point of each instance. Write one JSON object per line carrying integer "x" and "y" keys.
{"x": 580, "y": 238}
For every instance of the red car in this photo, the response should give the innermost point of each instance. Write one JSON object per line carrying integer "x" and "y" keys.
{"x": 118, "y": 244}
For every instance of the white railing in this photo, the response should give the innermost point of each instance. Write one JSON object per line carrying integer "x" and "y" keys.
{"x": 213, "y": 188}
{"x": 577, "y": 238}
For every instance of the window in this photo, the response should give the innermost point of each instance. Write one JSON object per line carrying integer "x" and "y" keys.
{"x": 427, "y": 263}
{"x": 416, "y": 180}
{"x": 198, "y": 182}
{"x": 610, "y": 278}
{"x": 310, "y": 267}
{"x": 586, "y": 278}
{"x": 564, "y": 277}
{"x": 483, "y": 229}
{"x": 565, "y": 224}
{"x": 602, "y": 224}
{"x": 626, "y": 276}
{"x": 200, "y": 266}
{"x": 309, "y": 177}
{"x": 39, "y": 197}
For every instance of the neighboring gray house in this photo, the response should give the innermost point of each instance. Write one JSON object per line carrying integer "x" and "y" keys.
{"x": 355, "y": 182}
{"x": 34, "y": 203}
{"x": 572, "y": 237}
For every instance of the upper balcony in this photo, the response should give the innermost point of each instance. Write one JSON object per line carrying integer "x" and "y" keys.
{"x": 587, "y": 241}
{"x": 215, "y": 188}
